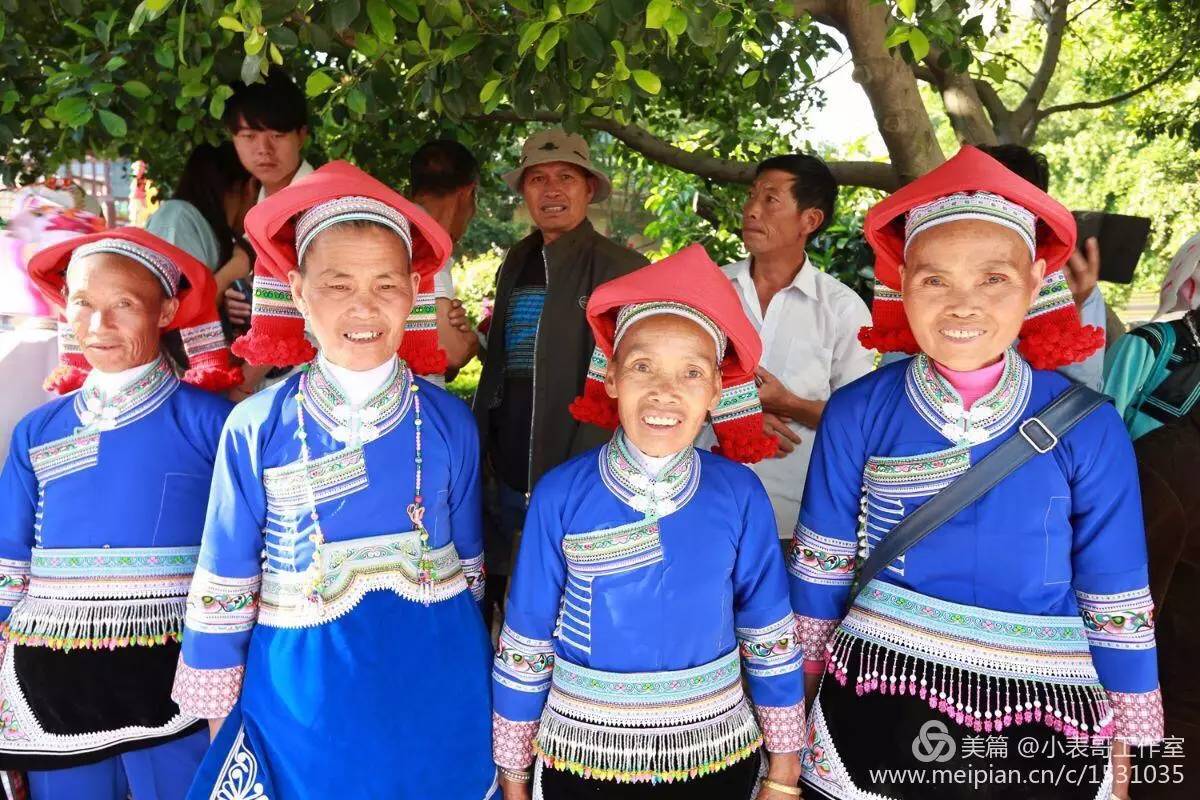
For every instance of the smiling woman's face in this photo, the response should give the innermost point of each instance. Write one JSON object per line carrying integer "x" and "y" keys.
{"x": 356, "y": 293}
{"x": 967, "y": 286}
{"x": 665, "y": 379}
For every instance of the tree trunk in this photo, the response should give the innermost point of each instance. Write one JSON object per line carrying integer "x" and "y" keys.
{"x": 890, "y": 87}
{"x": 963, "y": 105}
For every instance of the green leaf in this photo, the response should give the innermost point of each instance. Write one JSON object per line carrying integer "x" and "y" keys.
{"x": 82, "y": 31}
{"x": 318, "y": 83}
{"x": 113, "y": 123}
{"x": 407, "y": 9}
{"x": 230, "y": 23}
{"x": 216, "y": 106}
{"x": 489, "y": 89}
{"x": 676, "y": 23}
{"x": 579, "y": 6}
{"x": 553, "y": 13}
{"x": 69, "y": 108}
{"x": 356, "y": 101}
{"x": 919, "y": 44}
{"x": 722, "y": 19}
{"x": 619, "y": 49}
{"x": 276, "y": 55}
{"x": 136, "y": 89}
{"x": 423, "y": 34}
{"x": 254, "y": 43}
{"x": 164, "y": 56}
{"x": 342, "y": 13}
{"x": 532, "y": 33}
{"x": 382, "y": 22}
{"x": 907, "y": 7}
{"x": 115, "y": 63}
{"x": 548, "y": 42}
{"x": 657, "y": 13}
{"x": 588, "y": 39}
{"x": 647, "y": 81}
{"x": 750, "y": 78}
{"x": 753, "y": 49}
{"x": 251, "y": 69}
{"x": 194, "y": 90}
{"x": 897, "y": 36}
{"x": 462, "y": 45}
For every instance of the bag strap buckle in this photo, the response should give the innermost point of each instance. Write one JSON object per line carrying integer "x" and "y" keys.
{"x": 1035, "y": 427}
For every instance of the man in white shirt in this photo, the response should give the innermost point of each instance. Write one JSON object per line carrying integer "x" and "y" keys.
{"x": 808, "y": 320}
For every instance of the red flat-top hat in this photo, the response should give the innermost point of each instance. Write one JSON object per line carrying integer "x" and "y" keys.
{"x": 973, "y": 185}
{"x": 690, "y": 285}
{"x": 282, "y": 226}
{"x": 181, "y": 276}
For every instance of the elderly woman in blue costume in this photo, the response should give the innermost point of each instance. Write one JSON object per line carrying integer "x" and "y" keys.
{"x": 1024, "y": 618}
{"x": 101, "y": 510}
{"x": 333, "y": 637}
{"x": 650, "y": 597}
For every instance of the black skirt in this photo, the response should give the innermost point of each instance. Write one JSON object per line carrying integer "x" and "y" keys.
{"x": 92, "y": 694}
{"x": 874, "y": 743}
{"x": 735, "y": 782}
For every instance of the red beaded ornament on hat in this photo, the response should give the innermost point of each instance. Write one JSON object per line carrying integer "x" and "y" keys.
{"x": 426, "y": 573}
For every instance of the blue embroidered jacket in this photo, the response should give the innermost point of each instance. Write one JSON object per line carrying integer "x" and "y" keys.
{"x": 1062, "y": 536}
{"x": 621, "y": 572}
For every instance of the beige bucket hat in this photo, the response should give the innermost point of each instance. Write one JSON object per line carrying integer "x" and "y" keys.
{"x": 555, "y": 144}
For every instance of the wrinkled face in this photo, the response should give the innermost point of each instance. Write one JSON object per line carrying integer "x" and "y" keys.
{"x": 117, "y": 310}
{"x": 271, "y": 156}
{"x": 967, "y": 286}
{"x": 356, "y": 292}
{"x": 771, "y": 218}
{"x": 557, "y": 195}
{"x": 665, "y": 379}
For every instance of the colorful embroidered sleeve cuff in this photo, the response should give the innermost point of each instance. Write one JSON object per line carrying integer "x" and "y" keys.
{"x": 476, "y": 576}
{"x": 822, "y": 560}
{"x": 207, "y": 693}
{"x": 218, "y": 604}
{"x": 1137, "y": 718}
{"x": 813, "y": 635}
{"x": 14, "y": 581}
{"x": 783, "y": 728}
{"x": 1122, "y": 621}
{"x": 512, "y": 742}
{"x": 770, "y": 651}
{"x": 521, "y": 664}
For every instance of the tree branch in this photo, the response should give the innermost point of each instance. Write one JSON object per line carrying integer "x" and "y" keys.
{"x": 872, "y": 174}
{"x": 1045, "y": 71}
{"x": 1116, "y": 98}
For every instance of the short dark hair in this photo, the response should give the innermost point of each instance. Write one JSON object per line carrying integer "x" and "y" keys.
{"x": 441, "y": 166}
{"x": 814, "y": 185}
{"x": 1029, "y": 164}
{"x": 275, "y": 104}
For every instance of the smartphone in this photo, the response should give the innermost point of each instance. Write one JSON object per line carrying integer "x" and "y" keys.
{"x": 1122, "y": 239}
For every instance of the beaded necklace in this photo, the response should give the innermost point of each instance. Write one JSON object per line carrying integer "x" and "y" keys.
{"x": 416, "y": 509}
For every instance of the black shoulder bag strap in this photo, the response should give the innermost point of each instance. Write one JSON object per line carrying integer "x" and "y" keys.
{"x": 1036, "y": 435}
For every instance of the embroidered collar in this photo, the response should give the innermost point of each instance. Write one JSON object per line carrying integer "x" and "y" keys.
{"x": 356, "y": 424}
{"x": 941, "y": 406}
{"x": 653, "y": 495}
{"x": 100, "y": 411}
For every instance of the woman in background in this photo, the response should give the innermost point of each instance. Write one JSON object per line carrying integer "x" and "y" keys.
{"x": 204, "y": 215}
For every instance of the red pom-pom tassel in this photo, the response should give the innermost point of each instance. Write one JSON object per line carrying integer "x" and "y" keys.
{"x": 595, "y": 407}
{"x": 421, "y": 352}
{"x": 888, "y": 340}
{"x": 214, "y": 379}
{"x": 261, "y": 349}
{"x": 65, "y": 378}
{"x": 744, "y": 445}
{"x": 1053, "y": 347}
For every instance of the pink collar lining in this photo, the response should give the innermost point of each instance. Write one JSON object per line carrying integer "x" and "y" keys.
{"x": 973, "y": 384}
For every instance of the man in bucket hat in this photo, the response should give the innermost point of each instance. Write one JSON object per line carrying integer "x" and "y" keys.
{"x": 539, "y": 345}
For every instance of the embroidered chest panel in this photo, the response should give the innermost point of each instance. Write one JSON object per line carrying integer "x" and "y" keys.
{"x": 919, "y": 475}
{"x": 65, "y": 456}
{"x": 653, "y": 495}
{"x": 330, "y": 477}
{"x": 614, "y": 550}
{"x": 940, "y": 405}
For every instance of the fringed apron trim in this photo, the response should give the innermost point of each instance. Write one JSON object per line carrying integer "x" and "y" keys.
{"x": 649, "y": 726}
{"x": 983, "y": 669}
{"x": 352, "y": 568}
{"x": 95, "y": 624}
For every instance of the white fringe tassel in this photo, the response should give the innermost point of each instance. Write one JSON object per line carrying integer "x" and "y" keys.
{"x": 632, "y": 754}
{"x": 67, "y": 624}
